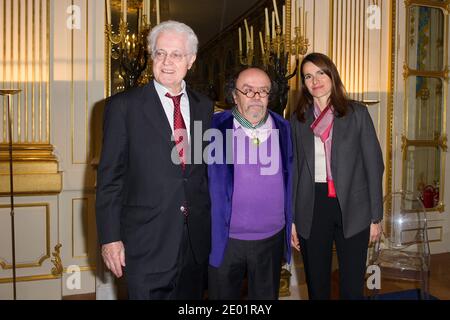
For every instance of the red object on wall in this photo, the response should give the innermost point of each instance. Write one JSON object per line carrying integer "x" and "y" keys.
{"x": 428, "y": 196}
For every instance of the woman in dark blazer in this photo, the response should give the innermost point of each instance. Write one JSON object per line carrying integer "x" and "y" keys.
{"x": 337, "y": 181}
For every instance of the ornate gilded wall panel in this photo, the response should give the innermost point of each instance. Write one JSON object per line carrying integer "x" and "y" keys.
{"x": 424, "y": 142}
{"x": 37, "y": 254}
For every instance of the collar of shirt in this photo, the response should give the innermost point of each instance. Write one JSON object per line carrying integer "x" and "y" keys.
{"x": 168, "y": 105}
{"x": 163, "y": 90}
{"x": 262, "y": 133}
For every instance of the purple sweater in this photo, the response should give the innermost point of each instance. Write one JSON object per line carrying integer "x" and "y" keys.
{"x": 258, "y": 199}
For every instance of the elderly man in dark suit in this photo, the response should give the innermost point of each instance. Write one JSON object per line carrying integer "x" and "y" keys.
{"x": 153, "y": 207}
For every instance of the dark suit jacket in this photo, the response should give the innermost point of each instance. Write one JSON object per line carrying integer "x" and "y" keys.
{"x": 140, "y": 190}
{"x": 357, "y": 168}
{"x": 221, "y": 177}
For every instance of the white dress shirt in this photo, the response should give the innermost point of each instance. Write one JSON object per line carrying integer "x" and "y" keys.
{"x": 320, "y": 162}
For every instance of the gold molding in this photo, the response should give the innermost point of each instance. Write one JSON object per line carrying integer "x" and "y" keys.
{"x": 35, "y": 169}
{"x": 28, "y": 151}
{"x": 287, "y": 36}
{"x": 444, "y": 6}
{"x": 30, "y": 278}
{"x": 439, "y": 208}
{"x": 443, "y": 143}
{"x": 411, "y": 30}
{"x": 32, "y": 184}
{"x": 44, "y": 277}
{"x": 438, "y": 141}
{"x": 390, "y": 95}
{"x": 46, "y": 255}
{"x": 407, "y": 72}
{"x": 107, "y": 59}
{"x": 58, "y": 268}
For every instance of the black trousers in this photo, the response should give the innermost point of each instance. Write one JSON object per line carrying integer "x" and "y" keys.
{"x": 184, "y": 282}
{"x": 317, "y": 251}
{"x": 260, "y": 259}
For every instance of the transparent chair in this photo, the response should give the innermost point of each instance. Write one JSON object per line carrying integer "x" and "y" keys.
{"x": 403, "y": 252}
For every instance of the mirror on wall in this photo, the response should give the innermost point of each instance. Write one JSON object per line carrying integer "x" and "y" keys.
{"x": 422, "y": 173}
{"x": 424, "y": 134}
{"x": 425, "y": 106}
{"x": 426, "y": 38}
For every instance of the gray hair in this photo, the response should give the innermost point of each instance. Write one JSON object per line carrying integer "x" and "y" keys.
{"x": 174, "y": 26}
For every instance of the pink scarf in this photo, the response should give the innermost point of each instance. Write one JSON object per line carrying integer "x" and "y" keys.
{"x": 322, "y": 127}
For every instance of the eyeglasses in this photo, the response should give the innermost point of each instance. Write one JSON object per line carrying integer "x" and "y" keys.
{"x": 160, "y": 55}
{"x": 251, "y": 94}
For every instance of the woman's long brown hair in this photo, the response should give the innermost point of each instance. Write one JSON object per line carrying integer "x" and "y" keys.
{"x": 338, "y": 97}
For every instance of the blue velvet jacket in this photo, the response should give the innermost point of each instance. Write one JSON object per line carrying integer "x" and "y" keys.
{"x": 221, "y": 177}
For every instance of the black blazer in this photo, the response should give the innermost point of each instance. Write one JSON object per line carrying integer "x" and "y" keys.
{"x": 357, "y": 168}
{"x": 140, "y": 190}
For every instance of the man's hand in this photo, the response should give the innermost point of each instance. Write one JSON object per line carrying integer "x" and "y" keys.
{"x": 294, "y": 239}
{"x": 376, "y": 229}
{"x": 114, "y": 257}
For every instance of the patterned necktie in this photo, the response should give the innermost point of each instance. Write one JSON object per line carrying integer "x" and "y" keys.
{"x": 179, "y": 129}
